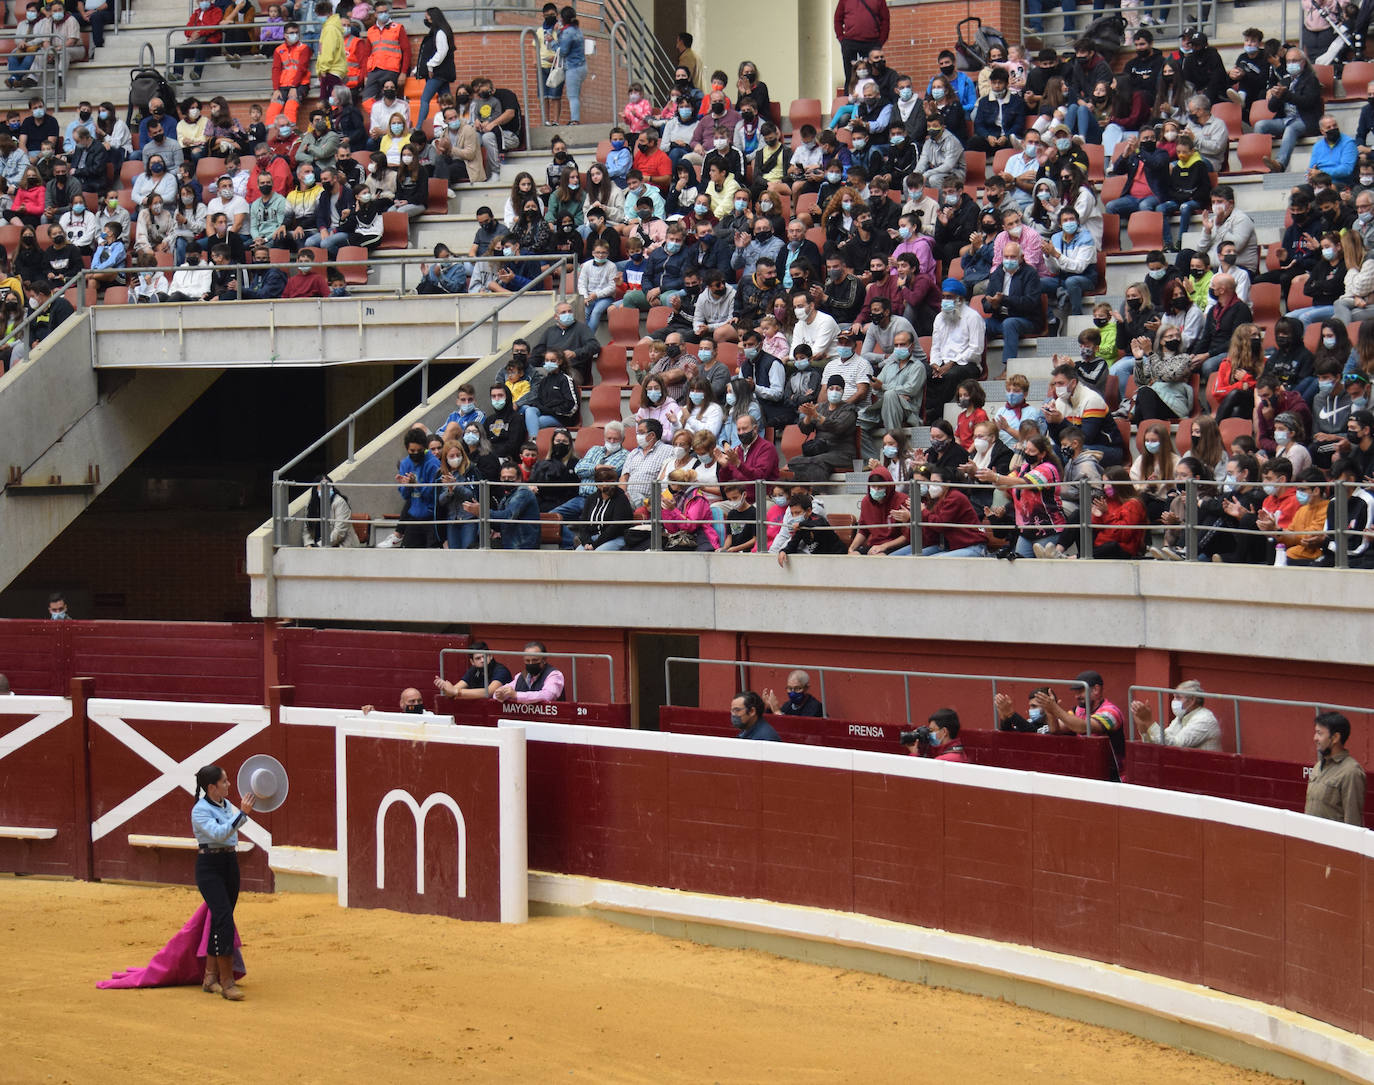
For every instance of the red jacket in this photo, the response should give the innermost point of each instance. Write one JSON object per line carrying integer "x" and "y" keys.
{"x": 1123, "y": 513}
{"x": 862, "y": 20}
{"x": 211, "y": 16}
{"x": 875, "y": 517}
{"x": 306, "y": 286}
{"x": 953, "y": 507}
{"x": 291, "y": 65}
{"x": 758, "y": 461}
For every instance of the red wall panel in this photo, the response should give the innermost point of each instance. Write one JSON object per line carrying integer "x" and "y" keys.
{"x": 38, "y": 790}
{"x": 1323, "y": 893}
{"x": 308, "y": 819}
{"x": 1366, "y": 995}
{"x": 348, "y": 668}
{"x": 806, "y": 833}
{"x": 1074, "y": 855}
{"x": 469, "y": 775}
{"x": 170, "y": 661}
{"x": 987, "y": 849}
{"x": 713, "y": 825}
{"x": 898, "y": 853}
{"x": 1242, "y": 912}
{"x": 1160, "y": 900}
{"x": 598, "y": 811}
{"x": 32, "y": 657}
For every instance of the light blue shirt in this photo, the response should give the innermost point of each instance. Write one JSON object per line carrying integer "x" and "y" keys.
{"x": 216, "y": 825}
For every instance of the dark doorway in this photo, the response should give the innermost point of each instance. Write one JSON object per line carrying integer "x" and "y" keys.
{"x": 650, "y": 692}
{"x": 670, "y": 19}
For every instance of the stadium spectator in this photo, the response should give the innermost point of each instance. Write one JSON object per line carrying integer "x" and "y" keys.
{"x": 940, "y": 740}
{"x": 484, "y": 676}
{"x": 746, "y": 716}
{"x": 799, "y": 700}
{"x": 1336, "y": 786}
{"x": 1193, "y": 725}
{"x": 537, "y": 682}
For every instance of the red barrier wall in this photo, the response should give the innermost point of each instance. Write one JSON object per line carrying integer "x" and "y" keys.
{"x": 1250, "y": 912}
{"x": 40, "y": 784}
{"x": 348, "y": 668}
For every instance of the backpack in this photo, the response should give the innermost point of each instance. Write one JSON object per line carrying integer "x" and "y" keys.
{"x": 973, "y": 52}
{"x": 1107, "y": 34}
{"x": 145, "y": 84}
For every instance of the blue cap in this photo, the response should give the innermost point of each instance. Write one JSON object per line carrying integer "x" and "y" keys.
{"x": 953, "y": 286}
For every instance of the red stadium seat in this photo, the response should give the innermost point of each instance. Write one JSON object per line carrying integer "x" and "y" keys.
{"x": 1312, "y": 336}
{"x": 357, "y": 275}
{"x": 588, "y": 437}
{"x": 729, "y": 355}
{"x": 806, "y": 202}
{"x": 1326, "y": 76}
{"x": 792, "y": 441}
{"x": 603, "y": 150}
{"x": 116, "y": 295}
{"x": 1146, "y": 230}
{"x": 1229, "y": 112}
{"x": 1001, "y": 158}
{"x": 1096, "y": 165}
{"x": 209, "y": 170}
{"x": 9, "y": 238}
{"x": 623, "y": 324}
{"x": 1260, "y": 111}
{"x": 976, "y": 165}
{"x": 438, "y": 197}
{"x": 605, "y": 403}
{"x": 395, "y": 231}
{"x": 804, "y": 111}
{"x": 1355, "y": 80}
{"x": 1111, "y": 233}
{"x": 1252, "y": 150}
{"x": 130, "y": 171}
{"x": 657, "y": 319}
{"x": 817, "y": 237}
{"x": 1297, "y": 294}
{"x": 1112, "y": 188}
{"x": 1264, "y": 302}
{"x": 1231, "y": 428}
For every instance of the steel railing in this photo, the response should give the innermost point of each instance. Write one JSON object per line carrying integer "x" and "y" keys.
{"x": 52, "y": 76}
{"x": 1181, "y": 14}
{"x": 1079, "y": 534}
{"x": 744, "y": 665}
{"x": 280, "y": 495}
{"x": 574, "y": 656}
{"x": 1235, "y": 700}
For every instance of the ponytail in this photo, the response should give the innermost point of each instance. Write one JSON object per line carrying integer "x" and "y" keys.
{"x": 206, "y": 776}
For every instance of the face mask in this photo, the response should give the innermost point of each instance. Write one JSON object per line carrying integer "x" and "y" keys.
{"x": 397, "y": 129}
{"x": 1328, "y": 254}
{"x": 1015, "y": 399}
{"x": 936, "y": 133}
{"x": 877, "y": 493}
{"x": 1014, "y": 231}
{"x": 729, "y": 399}
{"x": 672, "y": 248}
{"x": 1010, "y": 266}
{"x": 1293, "y": 69}
{"x": 964, "y": 403}
{"x": 906, "y": 94}
{"x": 1070, "y": 228}
{"x": 747, "y": 439}
{"x": 549, "y": 367}
{"x": 1063, "y": 144}
{"x": 947, "y": 305}
{"x": 937, "y": 93}
{"x": 1329, "y": 342}
{"x": 684, "y": 115}
{"x": 901, "y": 353}
{"x": 1303, "y": 496}
{"x": 654, "y": 395}
{"x": 507, "y": 251}
{"x": 1325, "y": 387}
{"x": 898, "y": 139}
{"x": 951, "y": 199}
{"x": 308, "y": 180}
{"x": 833, "y": 176}
{"x": 1281, "y": 437}
{"x": 32, "y": 16}
{"x": 292, "y": 38}
{"x": 980, "y": 444}
{"x": 800, "y": 363}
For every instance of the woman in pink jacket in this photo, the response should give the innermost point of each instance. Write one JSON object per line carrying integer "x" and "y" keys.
{"x": 687, "y": 513}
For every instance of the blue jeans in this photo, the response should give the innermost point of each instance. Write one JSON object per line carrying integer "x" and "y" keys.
{"x": 1010, "y": 329}
{"x": 518, "y": 520}
{"x": 18, "y": 63}
{"x": 1185, "y": 217}
{"x": 462, "y": 535}
{"x": 1124, "y": 369}
{"x": 1291, "y": 129}
{"x": 331, "y": 244}
{"x": 531, "y": 416}
{"x": 596, "y": 310}
{"x": 1312, "y": 314}
{"x": 618, "y": 543}
{"x": 1129, "y": 205}
{"x": 1081, "y": 122}
{"x": 1210, "y": 366}
{"x": 572, "y": 83}
{"x": 1072, "y": 286}
{"x": 432, "y": 87}
{"x": 180, "y": 245}
{"x": 978, "y": 550}
{"x": 570, "y": 510}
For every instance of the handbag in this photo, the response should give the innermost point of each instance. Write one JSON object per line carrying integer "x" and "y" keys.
{"x": 556, "y": 74}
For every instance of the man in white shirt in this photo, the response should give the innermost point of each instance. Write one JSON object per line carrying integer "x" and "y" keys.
{"x": 234, "y": 207}
{"x": 814, "y": 328}
{"x": 957, "y": 339}
{"x": 1022, "y": 168}
{"x": 82, "y": 225}
{"x": 1193, "y": 726}
{"x": 856, "y": 370}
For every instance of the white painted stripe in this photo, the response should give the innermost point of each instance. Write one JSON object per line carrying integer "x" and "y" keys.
{"x": 514, "y": 815}
{"x": 1250, "y": 1021}
{"x": 334, "y": 717}
{"x": 31, "y": 706}
{"x": 285, "y": 859}
{"x": 1241, "y": 815}
{"x": 177, "y": 711}
{"x": 36, "y": 728}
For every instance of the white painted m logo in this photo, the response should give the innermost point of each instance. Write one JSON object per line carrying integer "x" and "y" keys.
{"x": 421, "y": 811}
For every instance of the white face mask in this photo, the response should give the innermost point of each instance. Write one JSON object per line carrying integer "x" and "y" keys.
{"x": 1177, "y": 705}
{"x": 981, "y": 444}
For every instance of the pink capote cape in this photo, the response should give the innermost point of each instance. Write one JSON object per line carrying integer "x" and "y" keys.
{"x": 181, "y": 961}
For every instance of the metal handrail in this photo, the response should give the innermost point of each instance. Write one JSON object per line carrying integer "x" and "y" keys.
{"x": 1236, "y": 700}
{"x": 280, "y": 502}
{"x": 54, "y": 73}
{"x": 741, "y": 664}
{"x": 1186, "y": 13}
{"x": 574, "y": 656}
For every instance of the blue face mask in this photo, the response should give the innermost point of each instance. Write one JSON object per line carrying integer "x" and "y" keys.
{"x": 1070, "y": 228}
{"x": 750, "y": 353}
{"x": 834, "y": 395}
{"x": 654, "y": 395}
{"x": 846, "y": 353}
{"x": 566, "y": 319}
{"x": 904, "y": 232}
{"x": 877, "y": 493}
{"x": 803, "y": 363}
{"x": 1303, "y": 497}
{"x": 705, "y": 355}
{"x": 697, "y": 398}
{"x": 901, "y": 353}
{"x": 472, "y": 439}
{"x": 729, "y": 399}
{"x": 549, "y": 367}
{"x": 947, "y": 305}
{"x": 672, "y": 247}
{"x": 617, "y": 144}
{"x": 1010, "y": 266}
{"x": 1251, "y": 49}
{"x": 1015, "y": 399}
{"x": 1294, "y": 69}
{"x": 796, "y": 696}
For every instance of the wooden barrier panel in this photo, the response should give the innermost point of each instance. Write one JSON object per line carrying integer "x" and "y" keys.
{"x": 1262, "y": 903}
{"x": 42, "y": 830}
{"x": 1064, "y": 755}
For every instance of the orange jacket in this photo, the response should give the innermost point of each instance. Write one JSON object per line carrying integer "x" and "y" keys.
{"x": 390, "y": 49}
{"x": 356, "y": 50}
{"x": 291, "y": 65}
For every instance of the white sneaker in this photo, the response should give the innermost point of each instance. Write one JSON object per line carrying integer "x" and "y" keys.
{"x": 390, "y": 541}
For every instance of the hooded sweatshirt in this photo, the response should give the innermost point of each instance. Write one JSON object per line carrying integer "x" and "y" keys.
{"x": 875, "y": 515}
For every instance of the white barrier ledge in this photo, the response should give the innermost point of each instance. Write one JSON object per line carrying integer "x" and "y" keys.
{"x": 315, "y": 862}
{"x": 177, "y": 843}
{"x": 15, "y": 832}
{"x": 1227, "y": 1027}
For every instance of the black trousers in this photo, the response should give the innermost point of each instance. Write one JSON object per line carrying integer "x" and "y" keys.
{"x": 217, "y": 878}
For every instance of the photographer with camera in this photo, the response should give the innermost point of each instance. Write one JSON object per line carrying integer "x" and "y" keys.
{"x": 938, "y": 739}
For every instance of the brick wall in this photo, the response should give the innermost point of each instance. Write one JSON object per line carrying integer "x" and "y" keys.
{"x": 921, "y": 30}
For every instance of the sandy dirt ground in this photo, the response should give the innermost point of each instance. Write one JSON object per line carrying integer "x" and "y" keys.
{"x": 343, "y": 996}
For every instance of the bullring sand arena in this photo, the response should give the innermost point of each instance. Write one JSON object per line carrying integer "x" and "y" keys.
{"x": 334, "y": 994}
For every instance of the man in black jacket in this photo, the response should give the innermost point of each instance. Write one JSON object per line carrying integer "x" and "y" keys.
{"x": 1203, "y": 66}
{"x": 573, "y": 339}
{"x": 958, "y": 218}
{"x": 1293, "y": 256}
{"x": 812, "y": 533}
{"x": 1012, "y": 301}
{"x": 1226, "y": 314}
{"x": 46, "y": 322}
{"x": 1142, "y": 70}
{"x": 1296, "y": 102}
{"x": 1252, "y": 75}
{"x": 88, "y": 162}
